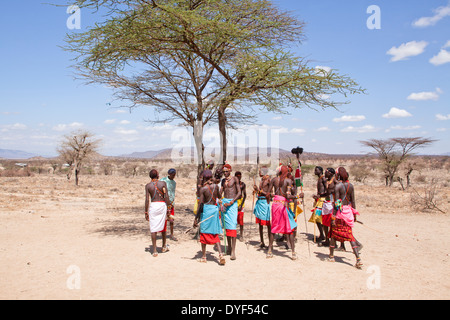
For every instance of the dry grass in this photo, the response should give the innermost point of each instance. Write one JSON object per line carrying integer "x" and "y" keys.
{"x": 49, "y": 224}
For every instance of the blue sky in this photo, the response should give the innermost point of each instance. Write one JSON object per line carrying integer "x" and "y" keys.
{"x": 404, "y": 66}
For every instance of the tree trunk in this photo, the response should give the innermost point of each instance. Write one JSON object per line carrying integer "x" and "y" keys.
{"x": 75, "y": 172}
{"x": 76, "y": 176}
{"x": 223, "y": 135}
{"x": 408, "y": 178}
{"x": 400, "y": 180}
{"x": 200, "y": 148}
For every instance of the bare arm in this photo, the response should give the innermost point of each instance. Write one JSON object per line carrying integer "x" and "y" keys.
{"x": 200, "y": 208}
{"x": 352, "y": 194}
{"x": 147, "y": 201}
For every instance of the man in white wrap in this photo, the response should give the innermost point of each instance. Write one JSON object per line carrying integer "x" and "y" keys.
{"x": 156, "y": 209}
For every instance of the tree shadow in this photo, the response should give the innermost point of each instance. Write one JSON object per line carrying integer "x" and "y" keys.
{"x": 130, "y": 222}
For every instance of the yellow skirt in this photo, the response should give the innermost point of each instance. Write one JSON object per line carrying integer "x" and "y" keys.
{"x": 299, "y": 210}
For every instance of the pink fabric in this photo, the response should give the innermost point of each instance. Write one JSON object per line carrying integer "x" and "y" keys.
{"x": 280, "y": 219}
{"x": 347, "y": 214}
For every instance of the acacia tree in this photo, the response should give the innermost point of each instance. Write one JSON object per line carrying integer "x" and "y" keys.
{"x": 395, "y": 151}
{"x": 204, "y": 60}
{"x": 76, "y": 148}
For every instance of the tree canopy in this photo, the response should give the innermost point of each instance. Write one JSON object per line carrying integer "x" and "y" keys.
{"x": 202, "y": 61}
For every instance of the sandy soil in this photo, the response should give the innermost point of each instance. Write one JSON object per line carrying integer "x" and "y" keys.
{"x": 58, "y": 241}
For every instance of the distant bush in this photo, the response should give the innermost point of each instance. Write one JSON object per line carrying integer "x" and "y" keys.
{"x": 16, "y": 173}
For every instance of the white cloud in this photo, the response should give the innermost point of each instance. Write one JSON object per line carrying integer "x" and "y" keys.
{"x": 397, "y": 113}
{"x": 323, "y": 69}
{"x": 349, "y": 119}
{"x": 16, "y": 126}
{"x": 441, "y": 58}
{"x": 442, "y": 117}
{"x": 441, "y": 129}
{"x": 119, "y": 111}
{"x": 277, "y": 118}
{"x": 298, "y": 130}
{"x": 322, "y": 129}
{"x": 63, "y": 127}
{"x": 110, "y": 121}
{"x": 406, "y": 50}
{"x": 439, "y": 14}
{"x": 125, "y": 122}
{"x": 447, "y": 45}
{"x": 405, "y": 128}
{"x": 363, "y": 129}
{"x": 125, "y": 132}
{"x": 426, "y": 95}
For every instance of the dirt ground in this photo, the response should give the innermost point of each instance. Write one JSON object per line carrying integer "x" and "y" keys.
{"x": 58, "y": 241}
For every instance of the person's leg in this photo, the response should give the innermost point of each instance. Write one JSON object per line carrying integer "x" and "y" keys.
{"x": 269, "y": 252}
{"x": 233, "y": 248}
{"x": 172, "y": 236}
{"x": 355, "y": 247}
{"x": 332, "y": 247}
{"x": 155, "y": 252}
{"x": 291, "y": 240}
{"x": 203, "y": 258}
{"x": 164, "y": 238}
{"x": 326, "y": 243}
{"x": 321, "y": 237}
{"x": 261, "y": 236}
{"x": 229, "y": 245}
{"x": 241, "y": 236}
{"x": 221, "y": 258}
{"x": 203, "y": 251}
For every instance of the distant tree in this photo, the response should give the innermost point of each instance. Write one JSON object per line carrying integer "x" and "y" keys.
{"x": 394, "y": 151}
{"x": 75, "y": 148}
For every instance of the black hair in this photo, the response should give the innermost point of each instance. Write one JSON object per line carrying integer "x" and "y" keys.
{"x": 153, "y": 174}
{"x": 320, "y": 169}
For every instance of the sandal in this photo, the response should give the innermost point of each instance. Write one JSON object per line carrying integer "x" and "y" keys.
{"x": 331, "y": 259}
{"x": 222, "y": 260}
{"x": 202, "y": 260}
{"x": 269, "y": 255}
{"x": 294, "y": 256}
{"x": 358, "y": 264}
{"x": 155, "y": 254}
{"x": 165, "y": 249}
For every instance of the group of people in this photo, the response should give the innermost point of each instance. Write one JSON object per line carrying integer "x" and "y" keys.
{"x": 221, "y": 198}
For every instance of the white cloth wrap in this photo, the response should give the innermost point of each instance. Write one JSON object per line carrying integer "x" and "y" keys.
{"x": 157, "y": 214}
{"x": 327, "y": 208}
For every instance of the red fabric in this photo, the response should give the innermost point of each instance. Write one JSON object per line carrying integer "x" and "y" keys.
{"x": 342, "y": 232}
{"x": 172, "y": 211}
{"x": 326, "y": 220}
{"x": 207, "y": 238}
{"x": 240, "y": 219}
{"x": 262, "y": 222}
{"x": 231, "y": 233}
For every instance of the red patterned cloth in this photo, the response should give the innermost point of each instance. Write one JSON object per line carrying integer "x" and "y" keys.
{"x": 341, "y": 231}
